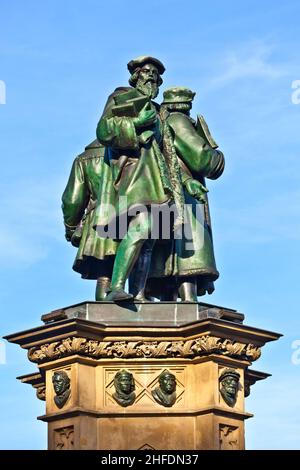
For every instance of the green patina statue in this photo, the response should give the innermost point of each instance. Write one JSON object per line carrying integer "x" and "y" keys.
{"x": 139, "y": 175}
{"x": 145, "y": 157}
{"x": 188, "y": 264}
{"x": 95, "y": 255}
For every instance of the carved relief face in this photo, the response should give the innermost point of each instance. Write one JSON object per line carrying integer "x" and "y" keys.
{"x": 230, "y": 385}
{"x": 167, "y": 383}
{"x": 60, "y": 382}
{"x": 124, "y": 383}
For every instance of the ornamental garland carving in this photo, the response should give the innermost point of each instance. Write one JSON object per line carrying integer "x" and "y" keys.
{"x": 204, "y": 345}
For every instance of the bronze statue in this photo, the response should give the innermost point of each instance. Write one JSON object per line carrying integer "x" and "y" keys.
{"x": 229, "y": 386}
{"x": 95, "y": 255}
{"x": 131, "y": 130}
{"x": 61, "y": 385}
{"x": 124, "y": 385}
{"x": 146, "y": 157}
{"x": 187, "y": 265}
{"x": 165, "y": 394}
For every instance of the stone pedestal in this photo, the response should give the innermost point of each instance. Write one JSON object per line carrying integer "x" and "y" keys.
{"x": 92, "y": 341}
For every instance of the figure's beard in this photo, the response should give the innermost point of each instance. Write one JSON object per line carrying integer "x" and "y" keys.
{"x": 148, "y": 88}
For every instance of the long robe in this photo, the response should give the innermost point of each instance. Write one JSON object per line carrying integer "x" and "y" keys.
{"x": 95, "y": 255}
{"x": 178, "y": 257}
{"x": 138, "y": 174}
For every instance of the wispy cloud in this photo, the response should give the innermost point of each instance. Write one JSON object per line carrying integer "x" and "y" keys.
{"x": 248, "y": 61}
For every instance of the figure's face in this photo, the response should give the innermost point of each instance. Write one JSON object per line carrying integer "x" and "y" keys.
{"x": 59, "y": 384}
{"x": 149, "y": 73}
{"x": 125, "y": 383}
{"x": 230, "y": 384}
{"x": 168, "y": 384}
{"x": 148, "y": 80}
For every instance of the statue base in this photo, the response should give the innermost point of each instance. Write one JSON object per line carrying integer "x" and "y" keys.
{"x": 92, "y": 341}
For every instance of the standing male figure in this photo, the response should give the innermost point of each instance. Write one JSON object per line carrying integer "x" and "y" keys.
{"x": 95, "y": 255}
{"x": 187, "y": 270}
{"x": 139, "y": 172}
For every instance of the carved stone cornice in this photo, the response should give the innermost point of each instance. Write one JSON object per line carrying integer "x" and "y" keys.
{"x": 197, "y": 347}
{"x": 41, "y": 392}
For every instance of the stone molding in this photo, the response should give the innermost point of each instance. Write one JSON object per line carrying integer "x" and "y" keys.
{"x": 201, "y": 346}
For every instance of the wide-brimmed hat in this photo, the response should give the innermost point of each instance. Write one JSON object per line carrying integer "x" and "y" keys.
{"x": 178, "y": 94}
{"x": 145, "y": 59}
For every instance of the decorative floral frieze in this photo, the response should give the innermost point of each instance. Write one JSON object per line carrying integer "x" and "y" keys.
{"x": 201, "y": 346}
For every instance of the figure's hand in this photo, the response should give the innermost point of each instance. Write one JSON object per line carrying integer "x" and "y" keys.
{"x": 69, "y": 233}
{"x": 146, "y": 117}
{"x": 77, "y": 235}
{"x": 196, "y": 189}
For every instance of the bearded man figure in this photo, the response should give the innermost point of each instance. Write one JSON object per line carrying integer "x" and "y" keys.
{"x": 137, "y": 174}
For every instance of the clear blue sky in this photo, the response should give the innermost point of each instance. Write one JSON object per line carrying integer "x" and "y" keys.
{"x": 59, "y": 61}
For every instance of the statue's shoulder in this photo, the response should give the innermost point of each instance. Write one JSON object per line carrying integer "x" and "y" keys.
{"x": 93, "y": 150}
{"x": 122, "y": 89}
{"x": 180, "y": 120}
{"x": 178, "y": 116}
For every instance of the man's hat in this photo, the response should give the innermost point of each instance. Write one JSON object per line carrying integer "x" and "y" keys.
{"x": 178, "y": 94}
{"x": 145, "y": 59}
{"x": 230, "y": 373}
